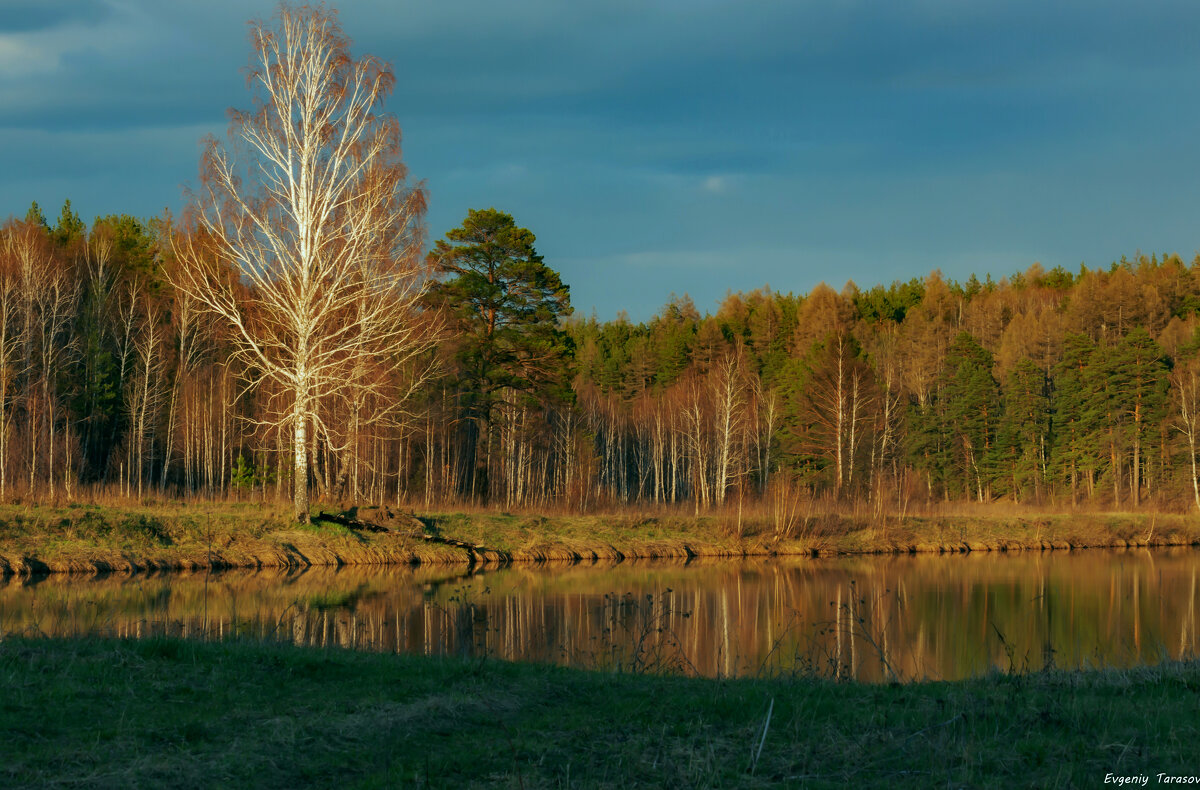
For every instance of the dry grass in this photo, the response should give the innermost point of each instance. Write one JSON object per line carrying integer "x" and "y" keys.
{"x": 189, "y": 535}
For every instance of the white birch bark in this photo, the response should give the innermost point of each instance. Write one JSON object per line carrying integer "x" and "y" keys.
{"x": 318, "y": 227}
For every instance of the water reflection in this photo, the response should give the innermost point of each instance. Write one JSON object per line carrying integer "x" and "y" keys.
{"x": 870, "y": 618}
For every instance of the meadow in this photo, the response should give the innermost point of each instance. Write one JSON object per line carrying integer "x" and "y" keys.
{"x": 157, "y": 712}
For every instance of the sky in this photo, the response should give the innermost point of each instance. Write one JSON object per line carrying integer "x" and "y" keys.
{"x": 660, "y": 147}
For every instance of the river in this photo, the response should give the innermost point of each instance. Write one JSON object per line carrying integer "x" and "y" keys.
{"x": 870, "y": 618}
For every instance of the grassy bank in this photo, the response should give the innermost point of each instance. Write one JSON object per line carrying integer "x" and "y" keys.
{"x": 175, "y": 535}
{"x": 174, "y": 713}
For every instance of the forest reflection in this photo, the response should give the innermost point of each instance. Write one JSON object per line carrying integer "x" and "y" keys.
{"x": 873, "y": 618}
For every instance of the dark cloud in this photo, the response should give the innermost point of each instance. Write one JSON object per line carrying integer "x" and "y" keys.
{"x": 877, "y": 140}
{"x": 25, "y": 16}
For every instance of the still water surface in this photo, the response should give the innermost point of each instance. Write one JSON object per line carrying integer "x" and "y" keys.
{"x": 873, "y": 618}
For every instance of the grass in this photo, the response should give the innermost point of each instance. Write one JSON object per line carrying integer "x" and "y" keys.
{"x": 159, "y": 712}
{"x": 194, "y": 535}
{"x": 188, "y": 535}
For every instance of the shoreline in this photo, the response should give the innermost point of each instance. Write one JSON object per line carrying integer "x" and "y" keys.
{"x": 93, "y": 539}
{"x": 286, "y": 558}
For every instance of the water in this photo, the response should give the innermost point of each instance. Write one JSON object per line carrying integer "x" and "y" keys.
{"x": 873, "y": 618}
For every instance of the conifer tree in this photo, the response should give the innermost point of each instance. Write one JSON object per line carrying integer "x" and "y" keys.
{"x": 1026, "y": 426}
{"x": 1076, "y": 443}
{"x": 972, "y": 412}
{"x": 1137, "y": 375}
{"x": 505, "y": 306}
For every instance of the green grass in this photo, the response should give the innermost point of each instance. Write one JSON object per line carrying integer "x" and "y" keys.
{"x": 173, "y": 713}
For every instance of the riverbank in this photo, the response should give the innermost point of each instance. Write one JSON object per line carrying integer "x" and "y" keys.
{"x": 111, "y": 713}
{"x": 92, "y": 538}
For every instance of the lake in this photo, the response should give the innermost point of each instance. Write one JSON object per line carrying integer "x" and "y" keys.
{"x": 869, "y": 618}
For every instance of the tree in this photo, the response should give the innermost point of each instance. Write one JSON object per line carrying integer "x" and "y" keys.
{"x": 971, "y": 402}
{"x": 1026, "y": 425}
{"x": 18, "y": 252}
{"x": 315, "y": 233}
{"x": 832, "y": 405}
{"x": 1076, "y": 446}
{"x": 1136, "y": 384}
{"x": 728, "y": 382}
{"x": 1185, "y": 386}
{"x": 506, "y": 306}
{"x": 70, "y": 228}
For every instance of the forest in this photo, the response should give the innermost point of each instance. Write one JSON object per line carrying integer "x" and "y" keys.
{"x": 1056, "y": 389}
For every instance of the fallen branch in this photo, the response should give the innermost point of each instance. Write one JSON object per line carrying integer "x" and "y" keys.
{"x": 477, "y": 551}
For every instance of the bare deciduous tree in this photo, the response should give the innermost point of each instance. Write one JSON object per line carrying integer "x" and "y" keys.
{"x": 17, "y": 253}
{"x": 315, "y": 217}
{"x": 728, "y": 384}
{"x": 1185, "y": 385}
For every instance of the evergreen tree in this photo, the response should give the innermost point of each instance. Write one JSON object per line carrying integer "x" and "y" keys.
{"x": 34, "y": 216}
{"x": 971, "y": 401}
{"x": 672, "y": 336}
{"x": 505, "y": 307}
{"x": 1076, "y": 445}
{"x": 1137, "y": 384}
{"x": 70, "y": 228}
{"x": 1025, "y": 428}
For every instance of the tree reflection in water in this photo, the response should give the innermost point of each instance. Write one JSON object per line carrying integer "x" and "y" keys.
{"x": 874, "y": 618}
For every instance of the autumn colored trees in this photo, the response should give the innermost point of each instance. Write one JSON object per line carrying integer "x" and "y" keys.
{"x": 923, "y": 392}
{"x": 935, "y": 391}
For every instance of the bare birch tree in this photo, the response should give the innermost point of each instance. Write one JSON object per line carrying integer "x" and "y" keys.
{"x": 1185, "y": 384}
{"x": 835, "y": 403}
{"x": 728, "y": 384}
{"x": 322, "y": 233}
{"x": 14, "y": 248}
{"x": 56, "y": 300}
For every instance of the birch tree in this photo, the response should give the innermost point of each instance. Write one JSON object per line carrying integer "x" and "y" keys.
{"x": 833, "y": 405}
{"x": 316, "y": 233}
{"x": 1185, "y": 385}
{"x": 13, "y": 246}
{"x": 728, "y": 386}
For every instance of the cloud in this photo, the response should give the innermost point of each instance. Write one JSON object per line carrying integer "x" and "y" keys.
{"x": 24, "y": 16}
{"x": 22, "y": 58}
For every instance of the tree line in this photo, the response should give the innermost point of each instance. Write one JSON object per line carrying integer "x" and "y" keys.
{"x": 1047, "y": 387}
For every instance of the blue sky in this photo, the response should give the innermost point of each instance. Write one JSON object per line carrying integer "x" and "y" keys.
{"x": 660, "y": 146}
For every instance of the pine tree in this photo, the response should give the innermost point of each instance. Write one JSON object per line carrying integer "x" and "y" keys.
{"x": 505, "y": 305}
{"x": 971, "y": 401}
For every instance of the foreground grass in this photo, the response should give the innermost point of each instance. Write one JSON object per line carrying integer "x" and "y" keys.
{"x": 196, "y": 535}
{"x": 168, "y": 712}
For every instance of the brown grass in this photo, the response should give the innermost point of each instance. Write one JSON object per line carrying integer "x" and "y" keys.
{"x": 190, "y": 535}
